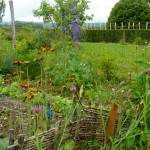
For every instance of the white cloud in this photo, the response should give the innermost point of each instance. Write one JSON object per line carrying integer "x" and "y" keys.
{"x": 23, "y": 9}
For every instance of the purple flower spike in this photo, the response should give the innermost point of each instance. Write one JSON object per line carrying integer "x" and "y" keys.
{"x": 73, "y": 89}
{"x": 37, "y": 109}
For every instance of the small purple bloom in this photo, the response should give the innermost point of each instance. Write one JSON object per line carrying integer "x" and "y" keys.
{"x": 73, "y": 89}
{"x": 37, "y": 109}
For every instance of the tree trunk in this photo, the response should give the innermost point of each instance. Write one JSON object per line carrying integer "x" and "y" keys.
{"x": 13, "y": 24}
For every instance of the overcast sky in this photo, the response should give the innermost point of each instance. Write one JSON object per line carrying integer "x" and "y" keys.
{"x": 23, "y": 9}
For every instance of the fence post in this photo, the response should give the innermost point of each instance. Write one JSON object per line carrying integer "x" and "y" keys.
{"x": 105, "y": 26}
{"x": 128, "y": 25}
{"x": 146, "y": 25}
{"x": 21, "y": 141}
{"x": 91, "y": 25}
{"x": 11, "y": 136}
{"x": 58, "y": 123}
{"x": 110, "y": 25}
{"x": 115, "y": 25}
{"x": 25, "y": 128}
{"x": 133, "y": 25}
{"x": 122, "y": 25}
{"x": 139, "y": 25}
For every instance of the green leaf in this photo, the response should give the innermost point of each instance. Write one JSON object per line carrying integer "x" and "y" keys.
{"x": 81, "y": 91}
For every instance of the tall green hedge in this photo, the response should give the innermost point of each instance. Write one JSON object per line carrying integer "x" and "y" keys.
{"x": 115, "y": 36}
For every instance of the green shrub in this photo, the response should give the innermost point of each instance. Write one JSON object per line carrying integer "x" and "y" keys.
{"x": 116, "y": 36}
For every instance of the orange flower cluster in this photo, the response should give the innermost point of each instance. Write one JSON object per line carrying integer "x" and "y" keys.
{"x": 26, "y": 84}
{"x": 18, "y": 63}
{"x": 43, "y": 49}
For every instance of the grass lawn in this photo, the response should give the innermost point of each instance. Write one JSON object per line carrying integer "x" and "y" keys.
{"x": 123, "y": 58}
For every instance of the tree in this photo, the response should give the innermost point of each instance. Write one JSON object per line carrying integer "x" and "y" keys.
{"x": 2, "y": 9}
{"x": 130, "y": 11}
{"x": 63, "y": 12}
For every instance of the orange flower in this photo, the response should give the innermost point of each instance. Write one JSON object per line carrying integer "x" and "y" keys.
{"x": 16, "y": 62}
{"x": 56, "y": 109}
{"x": 38, "y": 59}
{"x": 7, "y": 80}
{"x": 43, "y": 49}
{"x": 31, "y": 94}
{"x": 25, "y": 62}
{"x": 71, "y": 78}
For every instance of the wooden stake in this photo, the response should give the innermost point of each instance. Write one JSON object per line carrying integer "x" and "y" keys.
{"x": 11, "y": 136}
{"x": 112, "y": 120}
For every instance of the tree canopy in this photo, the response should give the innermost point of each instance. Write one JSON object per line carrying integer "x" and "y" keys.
{"x": 63, "y": 12}
{"x": 2, "y": 9}
{"x": 130, "y": 11}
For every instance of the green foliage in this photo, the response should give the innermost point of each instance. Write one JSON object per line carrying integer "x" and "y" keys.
{"x": 73, "y": 68}
{"x": 11, "y": 89}
{"x": 4, "y": 143}
{"x": 130, "y": 11}
{"x": 43, "y": 38}
{"x": 6, "y": 57}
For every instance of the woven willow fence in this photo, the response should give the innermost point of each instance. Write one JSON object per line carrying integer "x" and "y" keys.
{"x": 93, "y": 124}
